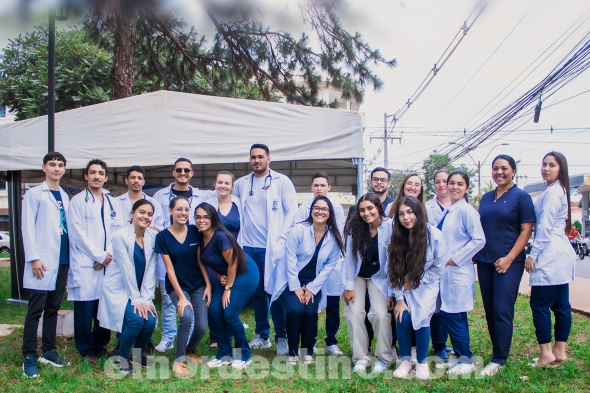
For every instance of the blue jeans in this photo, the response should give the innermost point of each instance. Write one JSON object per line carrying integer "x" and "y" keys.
{"x": 458, "y": 328}
{"x": 136, "y": 330}
{"x": 438, "y": 332}
{"x": 556, "y": 299}
{"x": 261, "y": 299}
{"x": 499, "y": 292}
{"x": 302, "y": 321}
{"x": 226, "y": 321}
{"x": 404, "y": 339}
{"x": 168, "y": 315}
{"x": 192, "y": 325}
{"x": 332, "y": 319}
{"x": 89, "y": 336}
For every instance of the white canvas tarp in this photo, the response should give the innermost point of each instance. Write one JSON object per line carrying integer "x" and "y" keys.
{"x": 156, "y": 128}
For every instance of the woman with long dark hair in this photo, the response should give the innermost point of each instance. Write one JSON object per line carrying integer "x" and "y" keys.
{"x": 551, "y": 261}
{"x": 507, "y": 216}
{"x": 364, "y": 270}
{"x": 237, "y": 280}
{"x": 185, "y": 284}
{"x": 416, "y": 258}
{"x": 464, "y": 237}
{"x": 313, "y": 249}
{"x": 126, "y": 304}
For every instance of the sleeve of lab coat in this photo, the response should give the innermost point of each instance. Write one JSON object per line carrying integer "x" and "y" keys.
{"x": 349, "y": 267}
{"x": 30, "y": 209}
{"x": 294, "y": 238}
{"x": 546, "y": 221}
{"x": 473, "y": 227}
{"x": 121, "y": 256}
{"x": 327, "y": 268}
{"x": 77, "y": 235}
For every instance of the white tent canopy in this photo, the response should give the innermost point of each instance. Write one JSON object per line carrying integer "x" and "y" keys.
{"x": 215, "y": 133}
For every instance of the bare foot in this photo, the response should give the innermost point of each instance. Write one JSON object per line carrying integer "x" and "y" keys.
{"x": 545, "y": 360}
{"x": 559, "y": 357}
{"x": 559, "y": 351}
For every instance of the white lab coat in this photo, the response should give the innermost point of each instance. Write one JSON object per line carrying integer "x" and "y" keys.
{"x": 433, "y": 211}
{"x": 87, "y": 239}
{"x": 422, "y": 300}
{"x": 41, "y": 235}
{"x": 215, "y": 203}
{"x": 300, "y": 247}
{"x": 126, "y": 207}
{"x": 163, "y": 197}
{"x": 333, "y": 285}
{"x": 120, "y": 283}
{"x": 281, "y": 205}
{"x": 464, "y": 237}
{"x": 555, "y": 257}
{"x": 352, "y": 263}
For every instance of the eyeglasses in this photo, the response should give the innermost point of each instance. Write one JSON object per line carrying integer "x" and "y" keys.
{"x": 180, "y": 170}
{"x": 410, "y": 184}
{"x": 202, "y": 218}
{"x": 319, "y": 209}
{"x": 380, "y": 179}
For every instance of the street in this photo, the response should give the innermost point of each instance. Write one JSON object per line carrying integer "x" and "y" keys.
{"x": 583, "y": 267}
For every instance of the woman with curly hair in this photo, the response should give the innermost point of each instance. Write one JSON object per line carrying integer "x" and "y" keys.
{"x": 365, "y": 270}
{"x": 416, "y": 259}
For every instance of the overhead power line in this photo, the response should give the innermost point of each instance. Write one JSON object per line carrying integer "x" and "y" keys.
{"x": 467, "y": 25}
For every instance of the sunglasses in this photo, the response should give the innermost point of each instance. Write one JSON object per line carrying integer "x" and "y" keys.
{"x": 185, "y": 170}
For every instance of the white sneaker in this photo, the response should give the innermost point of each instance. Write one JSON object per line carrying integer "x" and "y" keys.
{"x": 450, "y": 363}
{"x": 282, "y": 347}
{"x": 422, "y": 371}
{"x": 333, "y": 350}
{"x": 380, "y": 366}
{"x": 307, "y": 359}
{"x": 491, "y": 369}
{"x": 215, "y": 363}
{"x": 403, "y": 370}
{"x": 360, "y": 366}
{"x": 462, "y": 368}
{"x": 292, "y": 360}
{"x": 259, "y": 342}
{"x": 241, "y": 364}
{"x": 164, "y": 345}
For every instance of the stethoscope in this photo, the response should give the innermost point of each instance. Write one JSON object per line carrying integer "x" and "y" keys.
{"x": 171, "y": 196}
{"x": 264, "y": 187}
{"x": 113, "y": 212}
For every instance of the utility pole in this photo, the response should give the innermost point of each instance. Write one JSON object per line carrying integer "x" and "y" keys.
{"x": 386, "y": 138}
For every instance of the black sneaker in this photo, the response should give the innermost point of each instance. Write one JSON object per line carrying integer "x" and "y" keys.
{"x": 30, "y": 369}
{"x": 53, "y": 358}
{"x": 123, "y": 365}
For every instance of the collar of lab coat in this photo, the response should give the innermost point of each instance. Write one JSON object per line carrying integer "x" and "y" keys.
{"x": 457, "y": 205}
{"x": 195, "y": 190}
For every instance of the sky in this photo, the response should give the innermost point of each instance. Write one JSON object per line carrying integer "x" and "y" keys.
{"x": 500, "y": 47}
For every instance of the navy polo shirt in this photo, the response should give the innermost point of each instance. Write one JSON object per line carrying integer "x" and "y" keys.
{"x": 211, "y": 254}
{"x": 232, "y": 220}
{"x": 183, "y": 257}
{"x": 501, "y": 222}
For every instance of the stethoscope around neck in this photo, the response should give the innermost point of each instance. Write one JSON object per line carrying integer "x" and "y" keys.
{"x": 264, "y": 186}
{"x": 113, "y": 212}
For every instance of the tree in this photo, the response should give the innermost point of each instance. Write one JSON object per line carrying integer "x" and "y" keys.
{"x": 244, "y": 50}
{"x": 82, "y": 72}
{"x": 435, "y": 162}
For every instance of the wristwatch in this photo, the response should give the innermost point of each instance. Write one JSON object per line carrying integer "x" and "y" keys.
{"x": 228, "y": 288}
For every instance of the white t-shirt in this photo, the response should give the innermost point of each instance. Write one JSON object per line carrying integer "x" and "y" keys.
{"x": 254, "y": 228}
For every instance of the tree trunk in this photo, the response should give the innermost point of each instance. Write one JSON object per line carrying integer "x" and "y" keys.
{"x": 123, "y": 71}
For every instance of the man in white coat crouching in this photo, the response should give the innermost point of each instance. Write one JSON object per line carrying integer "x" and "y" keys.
{"x": 93, "y": 217}
{"x": 45, "y": 239}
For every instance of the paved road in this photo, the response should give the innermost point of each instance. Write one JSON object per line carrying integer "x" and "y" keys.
{"x": 583, "y": 267}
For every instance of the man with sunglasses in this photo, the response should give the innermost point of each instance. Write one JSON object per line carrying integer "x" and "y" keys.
{"x": 269, "y": 204}
{"x": 182, "y": 172}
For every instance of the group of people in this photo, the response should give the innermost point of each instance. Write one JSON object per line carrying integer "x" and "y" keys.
{"x": 405, "y": 268}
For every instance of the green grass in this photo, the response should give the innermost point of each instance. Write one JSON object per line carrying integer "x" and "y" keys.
{"x": 572, "y": 376}
{"x": 4, "y": 255}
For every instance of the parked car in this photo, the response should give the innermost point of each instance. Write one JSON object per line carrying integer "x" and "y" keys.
{"x": 4, "y": 243}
